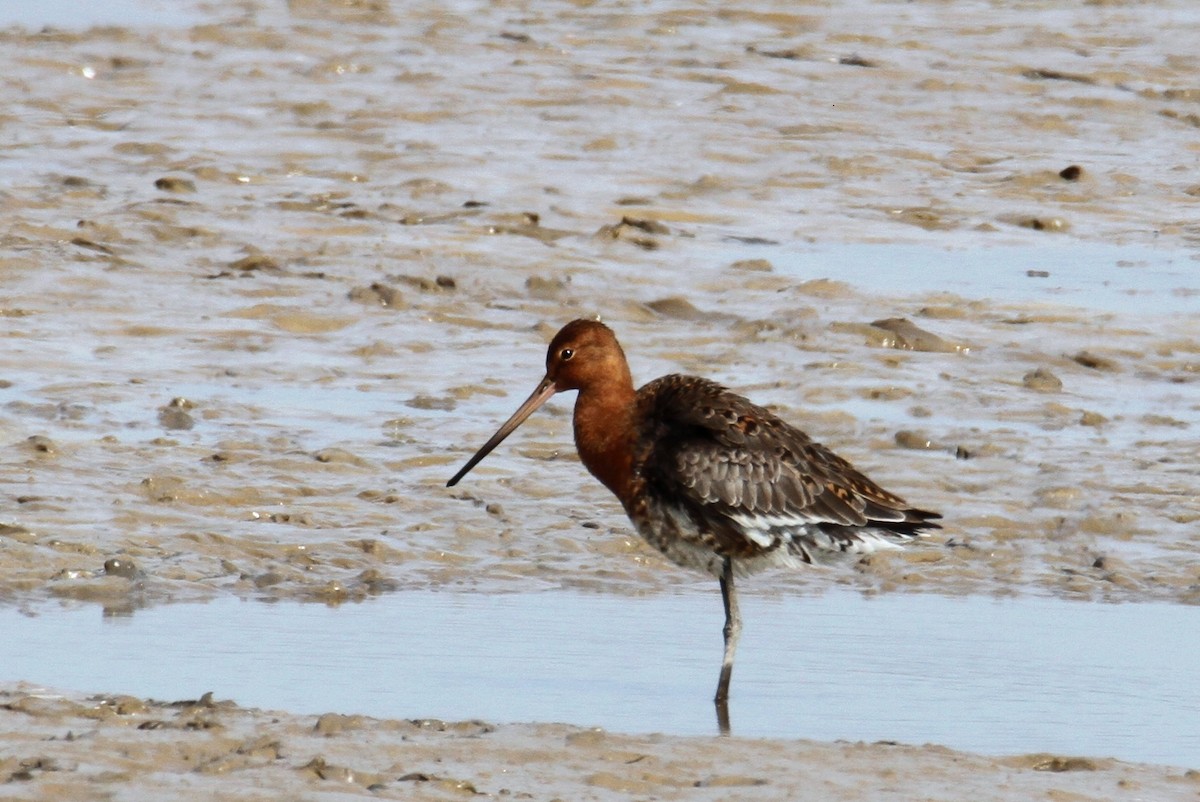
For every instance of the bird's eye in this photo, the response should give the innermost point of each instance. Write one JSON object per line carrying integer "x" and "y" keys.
{"x": 566, "y": 354}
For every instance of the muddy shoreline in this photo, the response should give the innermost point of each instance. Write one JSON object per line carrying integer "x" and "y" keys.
{"x": 210, "y": 742}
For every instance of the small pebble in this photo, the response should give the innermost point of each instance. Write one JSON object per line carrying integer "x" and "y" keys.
{"x": 120, "y": 566}
{"x": 1042, "y": 381}
{"x": 175, "y": 184}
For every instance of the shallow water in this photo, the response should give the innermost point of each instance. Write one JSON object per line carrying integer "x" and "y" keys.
{"x": 1137, "y": 282}
{"x": 210, "y": 214}
{"x": 68, "y": 14}
{"x": 992, "y": 676}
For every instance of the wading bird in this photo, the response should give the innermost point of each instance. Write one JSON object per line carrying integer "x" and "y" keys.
{"x": 711, "y": 480}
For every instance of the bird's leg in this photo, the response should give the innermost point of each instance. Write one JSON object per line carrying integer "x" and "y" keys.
{"x": 733, "y": 628}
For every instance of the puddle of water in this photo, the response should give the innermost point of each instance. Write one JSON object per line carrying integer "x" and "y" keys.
{"x": 38, "y": 14}
{"x": 1101, "y": 277}
{"x": 996, "y": 677}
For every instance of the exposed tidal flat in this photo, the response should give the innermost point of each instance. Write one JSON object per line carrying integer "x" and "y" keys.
{"x": 269, "y": 272}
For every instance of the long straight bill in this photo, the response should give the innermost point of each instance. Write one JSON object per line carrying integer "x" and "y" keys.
{"x": 540, "y": 396}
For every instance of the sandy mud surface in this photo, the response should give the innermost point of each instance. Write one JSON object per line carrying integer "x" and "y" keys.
{"x": 271, "y": 272}
{"x": 122, "y": 747}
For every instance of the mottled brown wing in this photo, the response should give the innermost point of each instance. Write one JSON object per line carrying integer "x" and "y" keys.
{"x": 716, "y": 449}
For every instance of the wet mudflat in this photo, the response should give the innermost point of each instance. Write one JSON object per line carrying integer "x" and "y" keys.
{"x": 139, "y": 749}
{"x": 270, "y": 273}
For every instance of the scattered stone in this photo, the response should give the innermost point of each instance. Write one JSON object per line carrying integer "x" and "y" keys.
{"x": 92, "y": 245}
{"x": 255, "y": 261}
{"x": 915, "y": 440}
{"x": 753, "y": 265}
{"x": 902, "y": 333}
{"x": 41, "y": 444}
{"x": 121, "y": 566}
{"x": 1042, "y": 380}
{"x": 420, "y": 283}
{"x": 1051, "y": 224}
{"x": 334, "y": 723}
{"x": 855, "y": 60}
{"x": 175, "y": 184}
{"x": 296, "y": 519}
{"x": 1090, "y": 360}
{"x": 635, "y": 230}
{"x": 1057, "y": 764}
{"x": 378, "y": 294}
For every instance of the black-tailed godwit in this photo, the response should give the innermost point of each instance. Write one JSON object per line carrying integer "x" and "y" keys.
{"x": 711, "y": 480}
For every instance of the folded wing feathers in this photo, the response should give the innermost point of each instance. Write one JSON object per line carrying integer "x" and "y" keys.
{"x": 732, "y": 457}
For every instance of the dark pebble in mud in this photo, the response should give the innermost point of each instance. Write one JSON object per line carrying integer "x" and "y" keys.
{"x": 41, "y": 444}
{"x": 1057, "y": 764}
{"x": 1090, "y": 360}
{"x": 296, "y": 519}
{"x": 423, "y": 284}
{"x": 175, "y": 184}
{"x": 1042, "y": 380}
{"x": 378, "y": 294}
{"x": 637, "y": 231}
{"x": 906, "y": 335}
{"x": 333, "y": 723}
{"x": 255, "y": 261}
{"x": 1052, "y": 224}
{"x": 855, "y": 60}
{"x": 910, "y": 439}
{"x": 91, "y": 245}
{"x": 121, "y": 566}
